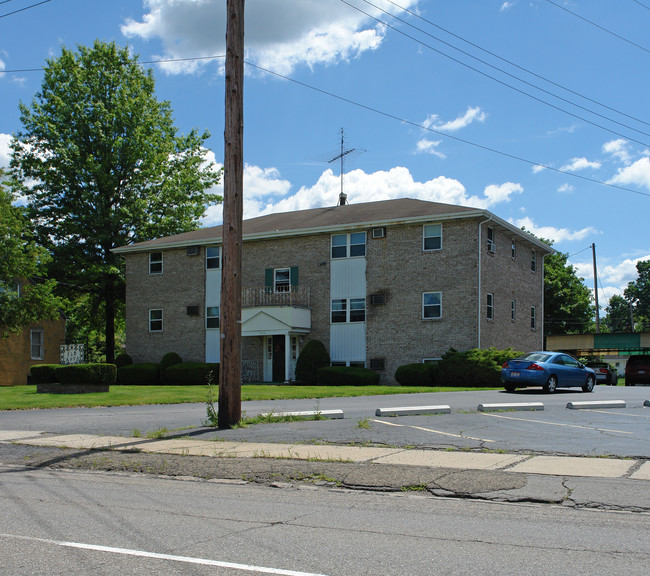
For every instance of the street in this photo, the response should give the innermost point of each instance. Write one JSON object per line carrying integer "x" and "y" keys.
{"x": 80, "y": 523}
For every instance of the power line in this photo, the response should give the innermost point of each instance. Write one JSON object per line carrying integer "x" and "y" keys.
{"x": 641, "y": 4}
{"x": 511, "y": 63}
{"x": 23, "y": 9}
{"x": 599, "y": 26}
{"x": 533, "y": 97}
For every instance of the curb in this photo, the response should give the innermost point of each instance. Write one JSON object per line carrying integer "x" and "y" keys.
{"x": 596, "y": 404}
{"x": 413, "y": 410}
{"x": 521, "y": 406}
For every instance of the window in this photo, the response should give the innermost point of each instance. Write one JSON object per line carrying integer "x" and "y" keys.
{"x": 349, "y": 245}
{"x": 155, "y": 320}
{"x": 348, "y": 310}
{"x": 533, "y": 319}
{"x": 513, "y": 310}
{"x": 212, "y": 257}
{"x": 490, "y": 240}
{"x": 432, "y": 237}
{"x": 431, "y": 305}
{"x": 490, "y": 306}
{"x": 513, "y": 249}
{"x": 155, "y": 263}
{"x": 37, "y": 338}
{"x": 282, "y": 280}
{"x": 533, "y": 261}
{"x": 212, "y": 317}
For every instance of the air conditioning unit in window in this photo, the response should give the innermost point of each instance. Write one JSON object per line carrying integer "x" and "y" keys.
{"x": 193, "y": 310}
{"x": 378, "y": 298}
{"x": 379, "y": 233}
{"x": 193, "y": 250}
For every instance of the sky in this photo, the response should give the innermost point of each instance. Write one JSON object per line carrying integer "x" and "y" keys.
{"x": 536, "y": 110}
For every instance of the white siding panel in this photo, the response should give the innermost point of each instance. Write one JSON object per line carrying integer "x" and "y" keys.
{"x": 348, "y": 342}
{"x": 212, "y": 345}
{"x": 213, "y": 287}
{"x": 348, "y": 278}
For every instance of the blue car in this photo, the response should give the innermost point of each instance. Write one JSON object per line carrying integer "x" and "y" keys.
{"x": 550, "y": 370}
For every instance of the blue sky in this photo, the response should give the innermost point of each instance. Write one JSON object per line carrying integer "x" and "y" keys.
{"x": 533, "y": 109}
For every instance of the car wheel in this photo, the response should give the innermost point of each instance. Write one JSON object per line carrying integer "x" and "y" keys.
{"x": 510, "y": 387}
{"x": 589, "y": 386}
{"x": 551, "y": 385}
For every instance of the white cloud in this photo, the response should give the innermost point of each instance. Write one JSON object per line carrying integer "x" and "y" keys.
{"x": 552, "y": 233}
{"x": 427, "y": 146}
{"x": 618, "y": 149}
{"x": 506, "y": 6}
{"x": 266, "y": 192}
{"x": 580, "y": 164}
{"x": 566, "y": 189}
{"x": 637, "y": 173}
{"x": 537, "y": 169}
{"x": 5, "y": 150}
{"x": 621, "y": 273}
{"x": 471, "y": 115}
{"x": 280, "y": 34}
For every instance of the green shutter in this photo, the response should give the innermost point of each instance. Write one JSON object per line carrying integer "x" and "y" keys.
{"x": 268, "y": 280}
{"x": 293, "y": 275}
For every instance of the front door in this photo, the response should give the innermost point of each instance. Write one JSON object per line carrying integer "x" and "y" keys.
{"x": 279, "y": 358}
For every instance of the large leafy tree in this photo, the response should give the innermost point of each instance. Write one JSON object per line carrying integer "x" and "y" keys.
{"x": 638, "y": 294}
{"x": 25, "y": 297}
{"x": 102, "y": 166}
{"x": 618, "y": 318}
{"x": 568, "y": 307}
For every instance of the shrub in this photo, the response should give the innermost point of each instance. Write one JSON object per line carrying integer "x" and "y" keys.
{"x": 123, "y": 359}
{"x": 96, "y": 373}
{"x": 43, "y": 373}
{"x": 347, "y": 376}
{"x": 474, "y": 368}
{"x": 191, "y": 373}
{"x": 168, "y": 360}
{"x": 416, "y": 374}
{"x": 141, "y": 374}
{"x": 312, "y": 357}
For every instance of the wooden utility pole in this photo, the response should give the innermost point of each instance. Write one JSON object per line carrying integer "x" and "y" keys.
{"x": 233, "y": 174}
{"x": 593, "y": 252}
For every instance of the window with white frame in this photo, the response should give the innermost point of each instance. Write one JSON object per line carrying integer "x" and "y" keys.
{"x": 533, "y": 261}
{"x": 490, "y": 240}
{"x": 282, "y": 280}
{"x": 348, "y": 310}
{"x": 155, "y": 320}
{"x": 213, "y": 257}
{"x": 212, "y": 317}
{"x": 431, "y": 305}
{"x": 348, "y": 245}
{"x": 533, "y": 318}
{"x": 432, "y": 237}
{"x": 37, "y": 340}
{"x": 490, "y": 306}
{"x": 155, "y": 263}
{"x": 513, "y": 310}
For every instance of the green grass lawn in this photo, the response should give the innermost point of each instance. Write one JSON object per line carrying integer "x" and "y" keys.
{"x": 26, "y": 398}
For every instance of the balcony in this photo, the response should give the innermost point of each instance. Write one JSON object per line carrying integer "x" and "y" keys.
{"x": 261, "y": 296}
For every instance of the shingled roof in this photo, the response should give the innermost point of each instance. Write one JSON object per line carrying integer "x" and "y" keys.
{"x": 322, "y": 220}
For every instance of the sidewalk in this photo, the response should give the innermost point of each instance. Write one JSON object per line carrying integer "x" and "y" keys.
{"x": 570, "y": 481}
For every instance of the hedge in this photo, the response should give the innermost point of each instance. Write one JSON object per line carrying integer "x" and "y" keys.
{"x": 123, "y": 359}
{"x": 191, "y": 374}
{"x": 346, "y": 376}
{"x": 141, "y": 374}
{"x": 476, "y": 368}
{"x": 312, "y": 357}
{"x": 95, "y": 373}
{"x": 43, "y": 373}
{"x": 168, "y": 360}
{"x": 422, "y": 374}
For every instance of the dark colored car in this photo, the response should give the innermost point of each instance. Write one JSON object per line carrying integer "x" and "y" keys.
{"x": 550, "y": 370}
{"x": 637, "y": 370}
{"x": 605, "y": 373}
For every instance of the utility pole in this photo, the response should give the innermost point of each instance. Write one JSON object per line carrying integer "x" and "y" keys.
{"x": 593, "y": 251}
{"x": 229, "y": 411}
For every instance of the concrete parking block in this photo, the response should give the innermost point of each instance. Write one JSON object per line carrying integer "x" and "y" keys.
{"x": 519, "y": 406}
{"x": 11, "y": 435}
{"x": 460, "y": 460}
{"x": 332, "y": 414}
{"x": 413, "y": 410}
{"x": 571, "y": 466}
{"x": 643, "y": 473}
{"x": 595, "y": 404}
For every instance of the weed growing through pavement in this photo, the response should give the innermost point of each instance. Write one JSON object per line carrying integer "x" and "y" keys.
{"x": 364, "y": 423}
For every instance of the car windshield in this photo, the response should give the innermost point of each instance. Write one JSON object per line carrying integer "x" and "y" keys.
{"x": 535, "y": 357}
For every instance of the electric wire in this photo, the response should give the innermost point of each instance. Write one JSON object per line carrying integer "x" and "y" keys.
{"x": 542, "y": 101}
{"x": 599, "y": 26}
{"x": 641, "y": 4}
{"x": 25, "y": 8}
{"x": 514, "y": 64}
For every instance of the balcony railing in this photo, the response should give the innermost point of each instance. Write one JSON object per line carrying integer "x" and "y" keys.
{"x": 297, "y": 296}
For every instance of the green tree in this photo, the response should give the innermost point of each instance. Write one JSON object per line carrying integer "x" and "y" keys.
{"x": 638, "y": 293}
{"x": 568, "y": 307}
{"x": 102, "y": 166}
{"x": 25, "y": 297}
{"x": 618, "y": 317}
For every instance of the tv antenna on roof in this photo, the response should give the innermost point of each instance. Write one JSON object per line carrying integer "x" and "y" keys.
{"x": 344, "y": 153}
